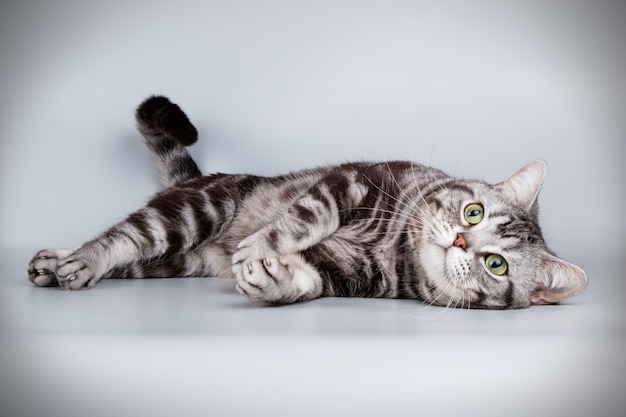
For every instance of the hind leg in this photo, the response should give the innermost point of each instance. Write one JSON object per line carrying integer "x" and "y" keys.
{"x": 117, "y": 249}
{"x": 62, "y": 267}
{"x": 171, "y": 226}
{"x": 70, "y": 268}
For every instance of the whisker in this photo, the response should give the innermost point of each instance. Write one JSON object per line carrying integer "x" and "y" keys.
{"x": 397, "y": 217}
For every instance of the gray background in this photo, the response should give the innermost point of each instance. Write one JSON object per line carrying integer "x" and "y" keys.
{"x": 476, "y": 88}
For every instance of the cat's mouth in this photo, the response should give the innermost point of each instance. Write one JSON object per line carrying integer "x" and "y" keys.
{"x": 458, "y": 265}
{"x": 447, "y": 270}
{"x": 445, "y": 258}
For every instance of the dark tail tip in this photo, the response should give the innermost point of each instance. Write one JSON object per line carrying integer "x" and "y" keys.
{"x": 157, "y": 114}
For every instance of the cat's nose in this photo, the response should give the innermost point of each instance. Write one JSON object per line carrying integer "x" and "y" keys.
{"x": 460, "y": 241}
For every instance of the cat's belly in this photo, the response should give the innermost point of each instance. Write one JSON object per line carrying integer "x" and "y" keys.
{"x": 212, "y": 260}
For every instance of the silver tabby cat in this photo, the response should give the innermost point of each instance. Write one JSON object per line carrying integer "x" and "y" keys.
{"x": 391, "y": 229}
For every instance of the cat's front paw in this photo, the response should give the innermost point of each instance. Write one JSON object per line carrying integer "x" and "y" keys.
{"x": 280, "y": 280}
{"x": 61, "y": 267}
{"x": 265, "y": 280}
{"x": 252, "y": 248}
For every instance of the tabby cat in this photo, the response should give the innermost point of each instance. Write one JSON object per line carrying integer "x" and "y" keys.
{"x": 386, "y": 229}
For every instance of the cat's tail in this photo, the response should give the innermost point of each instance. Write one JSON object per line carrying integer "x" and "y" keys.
{"x": 168, "y": 131}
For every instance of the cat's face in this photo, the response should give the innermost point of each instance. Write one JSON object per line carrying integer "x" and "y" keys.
{"x": 482, "y": 247}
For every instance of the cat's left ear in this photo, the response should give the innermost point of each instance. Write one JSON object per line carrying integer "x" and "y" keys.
{"x": 562, "y": 280}
{"x": 523, "y": 187}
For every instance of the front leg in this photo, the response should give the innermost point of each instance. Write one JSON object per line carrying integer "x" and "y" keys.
{"x": 308, "y": 221}
{"x": 267, "y": 264}
{"x": 282, "y": 280}
{"x": 268, "y": 268}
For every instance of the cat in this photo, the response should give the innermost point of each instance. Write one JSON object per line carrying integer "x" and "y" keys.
{"x": 392, "y": 229}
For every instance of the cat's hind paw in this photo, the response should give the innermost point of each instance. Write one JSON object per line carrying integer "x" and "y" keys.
{"x": 75, "y": 273}
{"x": 41, "y": 269}
{"x": 60, "y": 267}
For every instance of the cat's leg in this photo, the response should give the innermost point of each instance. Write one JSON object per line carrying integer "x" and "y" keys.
{"x": 120, "y": 246}
{"x": 267, "y": 264}
{"x": 307, "y": 221}
{"x": 170, "y": 226}
{"x": 84, "y": 266}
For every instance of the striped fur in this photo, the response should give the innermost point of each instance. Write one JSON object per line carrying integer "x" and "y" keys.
{"x": 382, "y": 229}
{"x": 167, "y": 131}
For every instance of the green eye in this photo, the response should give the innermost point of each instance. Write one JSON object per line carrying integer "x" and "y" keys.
{"x": 474, "y": 213}
{"x": 496, "y": 264}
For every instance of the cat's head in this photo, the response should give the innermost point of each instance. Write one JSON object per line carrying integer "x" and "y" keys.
{"x": 482, "y": 246}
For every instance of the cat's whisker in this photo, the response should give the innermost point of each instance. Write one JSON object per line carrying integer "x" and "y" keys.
{"x": 412, "y": 203}
{"x": 453, "y": 299}
{"x": 409, "y": 204}
{"x": 420, "y": 193}
{"x": 400, "y": 217}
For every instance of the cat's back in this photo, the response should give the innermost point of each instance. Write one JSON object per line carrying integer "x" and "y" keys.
{"x": 267, "y": 198}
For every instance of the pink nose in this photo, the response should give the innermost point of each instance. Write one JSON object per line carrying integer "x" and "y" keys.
{"x": 460, "y": 241}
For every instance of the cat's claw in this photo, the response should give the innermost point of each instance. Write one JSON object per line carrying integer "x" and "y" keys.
{"x": 70, "y": 277}
{"x": 75, "y": 273}
{"x": 267, "y": 262}
{"x": 253, "y": 247}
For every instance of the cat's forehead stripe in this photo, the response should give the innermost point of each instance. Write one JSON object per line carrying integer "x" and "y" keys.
{"x": 524, "y": 231}
{"x": 454, "y": 186}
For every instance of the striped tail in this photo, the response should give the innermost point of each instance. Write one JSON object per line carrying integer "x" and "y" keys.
{"x": 167, "y": 132}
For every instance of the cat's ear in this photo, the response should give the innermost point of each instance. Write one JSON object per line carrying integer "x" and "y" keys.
{"x": 523, "y": 186}
{"x": 562, "y": 280}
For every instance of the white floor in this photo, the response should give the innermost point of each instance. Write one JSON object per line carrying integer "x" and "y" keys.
{"x": 188, "y": 347}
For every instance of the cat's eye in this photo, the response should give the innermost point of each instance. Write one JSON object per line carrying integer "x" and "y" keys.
{"x": 474, "y": 213}
{"x": 496, "y": 264}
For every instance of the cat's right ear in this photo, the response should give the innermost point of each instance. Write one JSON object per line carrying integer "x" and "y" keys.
{"x": 523, "y": 187}
{"x": 561, "y": 280}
